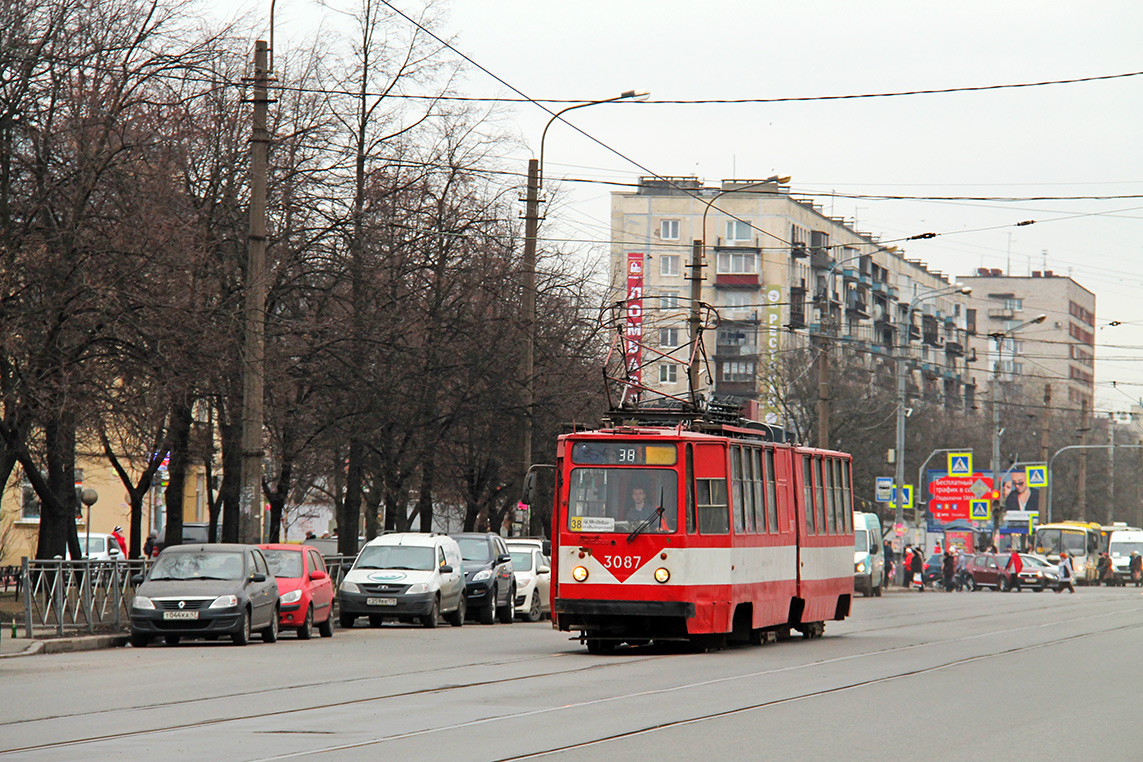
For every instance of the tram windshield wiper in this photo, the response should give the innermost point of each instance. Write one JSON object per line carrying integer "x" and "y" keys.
{"x": 657, "y": 514}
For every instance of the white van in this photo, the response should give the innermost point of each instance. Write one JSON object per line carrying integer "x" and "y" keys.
{"x": 868, "y": 560}
{"x": 1120, "y": 546}
{"x": 408, "y": 576}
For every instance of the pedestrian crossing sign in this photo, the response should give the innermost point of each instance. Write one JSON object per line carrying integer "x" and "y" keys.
{"x": 960, "y": 464}
{"x": 906, "y": 496}
{"x": 1037, "y": 476}
{"x": 979, "y": 510}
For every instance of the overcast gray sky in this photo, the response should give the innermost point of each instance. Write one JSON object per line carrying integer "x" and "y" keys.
{"x": 1062, "y": 140}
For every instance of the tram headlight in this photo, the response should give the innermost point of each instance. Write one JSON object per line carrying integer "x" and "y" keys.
{"x": 662, "y": 575}
{"x": 579, "y": 573}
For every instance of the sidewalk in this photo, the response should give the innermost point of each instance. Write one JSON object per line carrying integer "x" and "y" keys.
{"x": 12, "y": 647}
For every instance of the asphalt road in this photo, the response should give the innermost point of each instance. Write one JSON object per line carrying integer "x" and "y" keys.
{"x": 1028, "y": 676}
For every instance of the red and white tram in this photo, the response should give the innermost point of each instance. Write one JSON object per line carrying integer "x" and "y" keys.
{"x": 676, "y": 533}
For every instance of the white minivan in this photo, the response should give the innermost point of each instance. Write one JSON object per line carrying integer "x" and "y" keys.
{"x": 868, "y": 560}
{"x": 408, "y": 576}
{"x": 1120, "y": 546}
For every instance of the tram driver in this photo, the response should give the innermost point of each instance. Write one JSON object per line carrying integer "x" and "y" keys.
{"x": 639, "y": 509}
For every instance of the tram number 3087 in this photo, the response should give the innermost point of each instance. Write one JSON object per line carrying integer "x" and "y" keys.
{"x": 621, "y": 562}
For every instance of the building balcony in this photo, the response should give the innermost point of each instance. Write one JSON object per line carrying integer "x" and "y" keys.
{"x": 1001, "y": 313}
{"x": 820, "y": 258}
{"x": 849, "y": 273}
{"x": 879, "y": 287}
{"x": 954, "y": 348}
{"x": 736, "y": 280}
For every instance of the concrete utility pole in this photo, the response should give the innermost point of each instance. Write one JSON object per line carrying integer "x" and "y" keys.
{"x": 1081, "y": 482}
{"x": 253, "y": 359}
{"x": 1110, "y": 468}
{"x": 528, "y": 302}
{"x": 823, "y": 392}
{"x": 1046, "y": 427}
{"x": 694, "y": 322}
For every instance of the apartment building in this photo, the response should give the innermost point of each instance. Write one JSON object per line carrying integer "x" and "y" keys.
{"x": 1059, "y": 352}
{"x": 782, "y": 276}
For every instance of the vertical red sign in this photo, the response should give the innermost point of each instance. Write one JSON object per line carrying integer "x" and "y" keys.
{"x": 633, "y": 342}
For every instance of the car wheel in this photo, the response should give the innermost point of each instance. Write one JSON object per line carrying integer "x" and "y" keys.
{"x": 325, "y": 628}
{"x": 507, "y": 613}
{"x": 270, "y": 634}
{"x": 488, "y": 612}
{"x": 456, "y": 618}
{"x": 242, "y": 636}
{"x": 171, "y": 640}
{"x": 375, "y": 621}
{"x": 1002, "y": 586}
{"x": 535, "y": 610}
{"x": 139, "y": 640}
{"x": 430, "y": 619}
{"x": 346, "y": 620}
{"x": 970, "y": 585}
{"x": 307, "y": 628}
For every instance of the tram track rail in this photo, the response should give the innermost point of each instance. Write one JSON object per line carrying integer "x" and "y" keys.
{"x": 599, "y": 663}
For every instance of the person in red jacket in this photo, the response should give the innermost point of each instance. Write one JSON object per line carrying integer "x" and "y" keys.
{"x": 117, "y": 533}
{"x": 1014, "y": 567}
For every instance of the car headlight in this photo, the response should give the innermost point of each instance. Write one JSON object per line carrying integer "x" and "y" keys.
{"x": 142, "y": 603}
{"x": 420, "y": 587}
{"x": 524, "y": 579}
{"x": 861, "y": 567}
{"x": 293, "y": 596}
{"x": 662, "y": 575}
{"x": 224, "y": 602}
{"x": 482, "y": 575}
{"x": 579, "y": 573}
{"x": 349, "y": 587}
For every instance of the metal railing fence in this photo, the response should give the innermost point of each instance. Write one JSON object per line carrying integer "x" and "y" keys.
{"x": 70, "y": 596}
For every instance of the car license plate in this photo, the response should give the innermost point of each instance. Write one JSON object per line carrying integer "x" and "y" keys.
{"x": 381, "y": 601}
{"x": 180, "y": 615}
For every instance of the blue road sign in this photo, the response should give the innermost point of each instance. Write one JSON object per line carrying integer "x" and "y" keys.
{"x": 960, "y": 464}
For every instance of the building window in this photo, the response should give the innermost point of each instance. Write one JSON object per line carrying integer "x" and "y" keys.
{"x": 668, "y": 373}
{"x": 669, "y": 230}
{"x": 29, "y": 503}
{"x": 669, "y": 264}
{"x": 668, "y": 337}
{"x": 737, "y": 262}
{"x": 1014, "y": 304}
{"x": 669, "y": 300}
{"x": 737, "y": 371}
{"x": 737, "y": 230}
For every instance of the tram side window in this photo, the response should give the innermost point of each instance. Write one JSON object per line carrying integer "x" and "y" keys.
{"x": 771, "y": 493}
{"x": 690, "y": 489}
{"x": 830, "y": 494}
{"x": 736, "y": 487}
{"x": 712, "y": 507}
{"x": 846, "y": 501}
{"x": 808, "y": 480}
{"x": 819, "y": 496}
{"x": 747, "y": 509}
{"x": 756, "y": 477}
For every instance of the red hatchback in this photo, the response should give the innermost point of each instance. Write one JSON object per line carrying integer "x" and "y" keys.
{"x": 304, "y": 586}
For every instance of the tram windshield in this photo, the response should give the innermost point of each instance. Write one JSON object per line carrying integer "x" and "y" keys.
{"x": 620, "y": 499}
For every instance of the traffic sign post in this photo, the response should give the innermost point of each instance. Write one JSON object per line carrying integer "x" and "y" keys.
{"x": 960, "y": 464}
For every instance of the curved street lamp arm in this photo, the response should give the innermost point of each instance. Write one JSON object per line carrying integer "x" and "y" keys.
{"x": 629, "y": 94}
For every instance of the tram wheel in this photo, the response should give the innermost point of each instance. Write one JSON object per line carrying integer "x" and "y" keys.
{"x": 597, "y": 646}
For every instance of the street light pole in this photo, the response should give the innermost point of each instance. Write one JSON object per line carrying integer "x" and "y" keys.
{"x": 999, "y": 337}
{"x": 528, "y": 277}
{"x": 1052, "y": 461}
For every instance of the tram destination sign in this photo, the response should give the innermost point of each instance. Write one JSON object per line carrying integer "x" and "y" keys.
{"x": 624, "y": 454}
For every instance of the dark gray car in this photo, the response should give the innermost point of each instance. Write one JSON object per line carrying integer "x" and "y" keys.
{"x": 204, "y": 591}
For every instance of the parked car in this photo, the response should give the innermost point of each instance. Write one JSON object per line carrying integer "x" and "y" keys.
{"x": 407, "y": 576}
{"x": 100, "y": 547}
{"x": 490, "y": 585}
{"x": 305, "y": 588}
{"x": 194, "y": 533}
{"x": 533, "y": 573}
{"x": 205, "y": 591}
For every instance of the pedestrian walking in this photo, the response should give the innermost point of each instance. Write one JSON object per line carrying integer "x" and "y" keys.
{"x": 948, "y": 569}
{"x": 1135, "y": 567}
{"x": 917, "y": 568}
{"x": 117, "y": 534}
{"x": 149, "y": 545}
{"x": 1014, "y": 566}
{"x": 1066, "y": 573}
{"x": 887, "y": 571}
